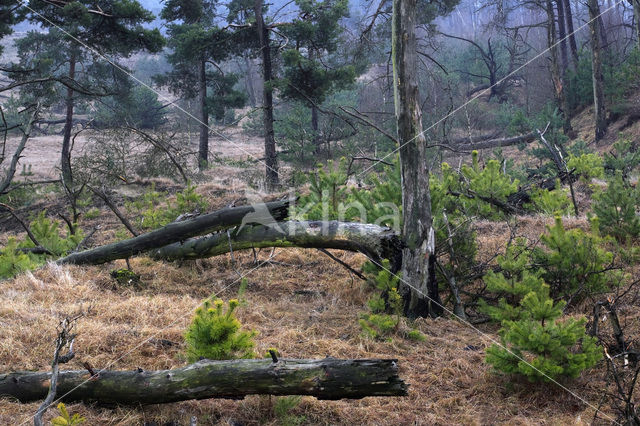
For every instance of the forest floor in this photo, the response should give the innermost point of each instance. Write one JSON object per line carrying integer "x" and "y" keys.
{"x": 302, "y": 303}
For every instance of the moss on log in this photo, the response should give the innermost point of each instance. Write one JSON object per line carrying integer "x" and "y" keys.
{"x": 328, "y": 378}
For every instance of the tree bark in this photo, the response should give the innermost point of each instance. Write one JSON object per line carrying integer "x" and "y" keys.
{"x": 314, "y": 128}
{"x": 329, "y": 378}
{"x": 65, "y": 161}
{"x": 419, "y": 291}
{"x": 636, "y": 14}
{"x": 562, "y": 33}
{"x": 203, "y": 146}
{"x": 6, "y": 182}
{"x": 177, "y": 231}
{"x": 376, "y": 242}
{"x": 556, "y": 75}
{"x": 596, "y": 71}
{"x": 272, "y": 180}
{"x": 573, "y": 46}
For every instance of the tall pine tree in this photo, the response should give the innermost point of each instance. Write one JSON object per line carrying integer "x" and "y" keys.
{"x": 63, "y": 59}
{"x": 198, "y": 46}
{"x": 310, "y": 73}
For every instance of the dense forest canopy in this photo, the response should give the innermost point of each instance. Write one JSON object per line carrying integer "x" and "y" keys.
{"x": 447, "y": 185}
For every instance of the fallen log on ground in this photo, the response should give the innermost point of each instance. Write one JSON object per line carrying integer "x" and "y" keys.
{"x": 329, "y": 378}
{"x": 461, "y": 144}
{"x": 177, "y": 231}
{"x": 375, "y": 241}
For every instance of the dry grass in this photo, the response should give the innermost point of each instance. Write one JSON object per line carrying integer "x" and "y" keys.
{"x": 450, "y": 384}
{"x": 449, "y": 381}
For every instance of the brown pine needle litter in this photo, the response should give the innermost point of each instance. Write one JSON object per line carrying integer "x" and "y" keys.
{"x": 449, "y": 382}
{"x": 303, "y": 303}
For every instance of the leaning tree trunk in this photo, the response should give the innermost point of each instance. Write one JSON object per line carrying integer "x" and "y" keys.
{"x": 270, "y": 156}
{"x": 374, "y": 241}
{"x": 596, "y": 71}
{"x": 203, "y": 146}
{"x": 26, "y": 134}
{"x": 177, "y": 231}
{"x": 418, "y": 261}
{"x": 329, "y": 378}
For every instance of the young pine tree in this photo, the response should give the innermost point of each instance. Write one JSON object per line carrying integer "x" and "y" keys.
{"x": 616, "y": 209}
{"x": 536, "y": 342}
{"x": 216, "y": 334}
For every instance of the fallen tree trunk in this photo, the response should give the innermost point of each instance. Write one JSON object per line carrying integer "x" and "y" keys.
{"x": 328, "y": 378}
{"x": 497, "y": 143}
{"x": 178, "y": 231}
{"x": 377, "y": 242}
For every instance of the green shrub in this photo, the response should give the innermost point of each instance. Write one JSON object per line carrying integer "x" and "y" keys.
{"x": 616, "y": 209}
{"x": 573, "y": 261}
{"x": 65, "y": 419}
{"x": 536, "y": 343}
{"x": 153, "y": 210}
{"x": 487, "y": 182}
{"x": 216, "y": 334}
{"x": 555, "y": 202}
{"x": 624, "y": 158}
{"x": 587, "y": 166}
{"x": 47, "y": 232}
{"x": 13, "y": 262}
{"x": 385, "y": 314}
{"x": 328, "y": 190}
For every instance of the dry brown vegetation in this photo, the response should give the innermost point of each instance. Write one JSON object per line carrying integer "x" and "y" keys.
{"x": 303, "y": 304}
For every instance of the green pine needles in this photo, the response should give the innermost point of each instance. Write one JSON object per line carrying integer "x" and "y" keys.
{"x": 384, "y": 317}
{"x": 616, "y": 209}
{"x": 575, "y": 262}
{"x": 215, "y": 333}
{"x": 536, "y": 342}
{"x": 16, "y": 257}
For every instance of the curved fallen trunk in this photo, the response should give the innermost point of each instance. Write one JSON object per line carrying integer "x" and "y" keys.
{"x": 328, "y": 378}
{"x": 375, "y": 241}
{"x": 264, "y": 213}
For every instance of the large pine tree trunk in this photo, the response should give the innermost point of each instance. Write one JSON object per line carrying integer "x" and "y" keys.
{"x": 272, "y": 181}
{"x": 203, "y": 146}
{"x": 596, "y": 70}
{"x": 572, "y": 39}
{"x": 419, "y": 289}
{"x": 65, "y": 160}
{"x": 329, "y": 378}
